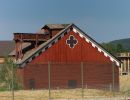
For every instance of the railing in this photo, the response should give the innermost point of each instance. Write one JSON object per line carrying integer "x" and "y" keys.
{"x": 31, "y": 36}
{"x": 123, "y": 54}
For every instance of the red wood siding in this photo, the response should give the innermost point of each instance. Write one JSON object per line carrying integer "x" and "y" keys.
{"x": 97, "y": 67}
{"x": 61, "y": 52}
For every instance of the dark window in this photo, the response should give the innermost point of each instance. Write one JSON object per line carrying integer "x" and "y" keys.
{"x": 32, "y": 84}
{"x": 72, "y": 83}
{"x": 125, "y": 73}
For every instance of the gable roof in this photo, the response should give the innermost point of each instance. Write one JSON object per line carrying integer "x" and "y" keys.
{"x": 43, "y": 47}
{"x": 24, "y": 45}
{"x": 56, "y": 26}
{"x": 6, "y": 47}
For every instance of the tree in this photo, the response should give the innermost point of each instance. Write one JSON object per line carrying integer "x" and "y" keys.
{"x": 119, "y": 48}
{"x": 8, "y": 74}
{"x": 113, "y": 48}
{"x": 108, "y": 46}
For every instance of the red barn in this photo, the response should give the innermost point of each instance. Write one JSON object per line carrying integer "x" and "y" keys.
{"x": 64, "y": 56}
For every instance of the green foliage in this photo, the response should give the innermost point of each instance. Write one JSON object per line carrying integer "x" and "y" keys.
{"x": 124, "y": 42}
{"x": 114, "y": 49}
{"x": 8, "y": 75}
{"x": 3, "y": 88}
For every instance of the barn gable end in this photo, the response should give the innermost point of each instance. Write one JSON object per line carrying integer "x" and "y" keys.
{"x": 63, "y": 54}
{"x": 54, "y": 40}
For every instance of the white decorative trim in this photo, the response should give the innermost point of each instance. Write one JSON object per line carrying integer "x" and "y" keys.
{"x": 43, "y": 50}
{"x": 68, "y": 30}
{"x": 56, "y": 40}
{"x": 95, "y": 45}
{"x": 62, "y": 35}
{"x": 30, "y": 60}
{"x": 105, "y": 54}
{"x": 99, "y": 50}
{"x": 87, "y": 40}
{"x": 74, "y": 30}
{"x": 49, "y": 45}
{"x": 111, "y": 59}
{"x": 81, "y": 35}
{"x": 117, "y": 63}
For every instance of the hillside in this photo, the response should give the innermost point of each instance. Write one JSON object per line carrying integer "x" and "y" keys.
{"x": 124, "y": 42}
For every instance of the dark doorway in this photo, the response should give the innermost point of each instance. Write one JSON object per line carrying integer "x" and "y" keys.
{"x": 72, "y": 83}
{"x": 32, "y": 84}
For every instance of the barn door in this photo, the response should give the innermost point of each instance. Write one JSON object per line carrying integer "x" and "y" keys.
{"x": 32, "y": 84}
{"x": 72, "y": 83}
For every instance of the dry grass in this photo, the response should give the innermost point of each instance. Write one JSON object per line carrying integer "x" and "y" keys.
{"x": 56, "y": 94}
{"x": 65, "y": 93}
{"x": 125, "y": 82}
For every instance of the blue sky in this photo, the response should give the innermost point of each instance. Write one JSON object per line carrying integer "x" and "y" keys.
{"x": 103, "y": 20}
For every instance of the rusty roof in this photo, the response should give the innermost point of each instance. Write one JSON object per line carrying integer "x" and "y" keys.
{"x": 24, "y": 45}
{"x": 6, "y": 47}
{"x": 56, "y": 26}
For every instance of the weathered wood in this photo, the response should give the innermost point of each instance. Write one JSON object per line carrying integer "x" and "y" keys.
{"x": 97, "y": 67}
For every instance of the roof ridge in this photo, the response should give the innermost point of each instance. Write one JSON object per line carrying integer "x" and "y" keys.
{"x": 59, "y": 35}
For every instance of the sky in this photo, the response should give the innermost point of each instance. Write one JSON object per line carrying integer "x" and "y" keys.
{"x": 103, "y": 20}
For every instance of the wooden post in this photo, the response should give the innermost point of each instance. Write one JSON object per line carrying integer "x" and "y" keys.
{"x": 21, "y": 42}
{"x": 113, "y": 77}
{"x": 12, "y": 81}
{"x": 128, "y": 65}
{"x": 36, "y": 42}
{"x": 82, "y": 80}
{"x": 49, "y": 84}
{"x": 16, "y": 50}
{"x": 121, "y": 69}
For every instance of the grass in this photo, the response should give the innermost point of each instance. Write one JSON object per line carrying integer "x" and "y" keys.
{"x": 58, "y": 94}
{"x": 125, "y": 83}
{"x": 55, "y": 94}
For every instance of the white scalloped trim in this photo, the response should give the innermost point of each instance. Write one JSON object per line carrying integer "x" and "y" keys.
{"x": 68, "y": 30}
{"x": 87, "y": 40}
{"x": 99, "y": 50}
{"x": 94, "y": 45}
{"x": 74, "y": 30}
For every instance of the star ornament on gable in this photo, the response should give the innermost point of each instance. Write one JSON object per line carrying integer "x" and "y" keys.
{"x": 72, "y": 41}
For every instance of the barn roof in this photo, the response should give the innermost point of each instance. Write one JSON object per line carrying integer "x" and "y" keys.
{"x": 6, "y": 47}
{"x": 43, "y": 47}
{"x": 56, "y": 26}
{"x": 24, "y": 45}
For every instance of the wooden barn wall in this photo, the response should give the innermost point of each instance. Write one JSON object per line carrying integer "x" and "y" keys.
{"x": 97, "y": 68}
{"x": 94, "y": 75}
{"x": 61, "y": 52}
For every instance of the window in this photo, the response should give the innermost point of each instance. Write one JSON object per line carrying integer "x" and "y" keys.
{"x": 32, "y": 84}
{"x": 72, "y": 83}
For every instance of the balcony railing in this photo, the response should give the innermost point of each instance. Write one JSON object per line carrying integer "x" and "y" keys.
{"x": 31, "y": 36}
{"x": 123, "y": 54}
